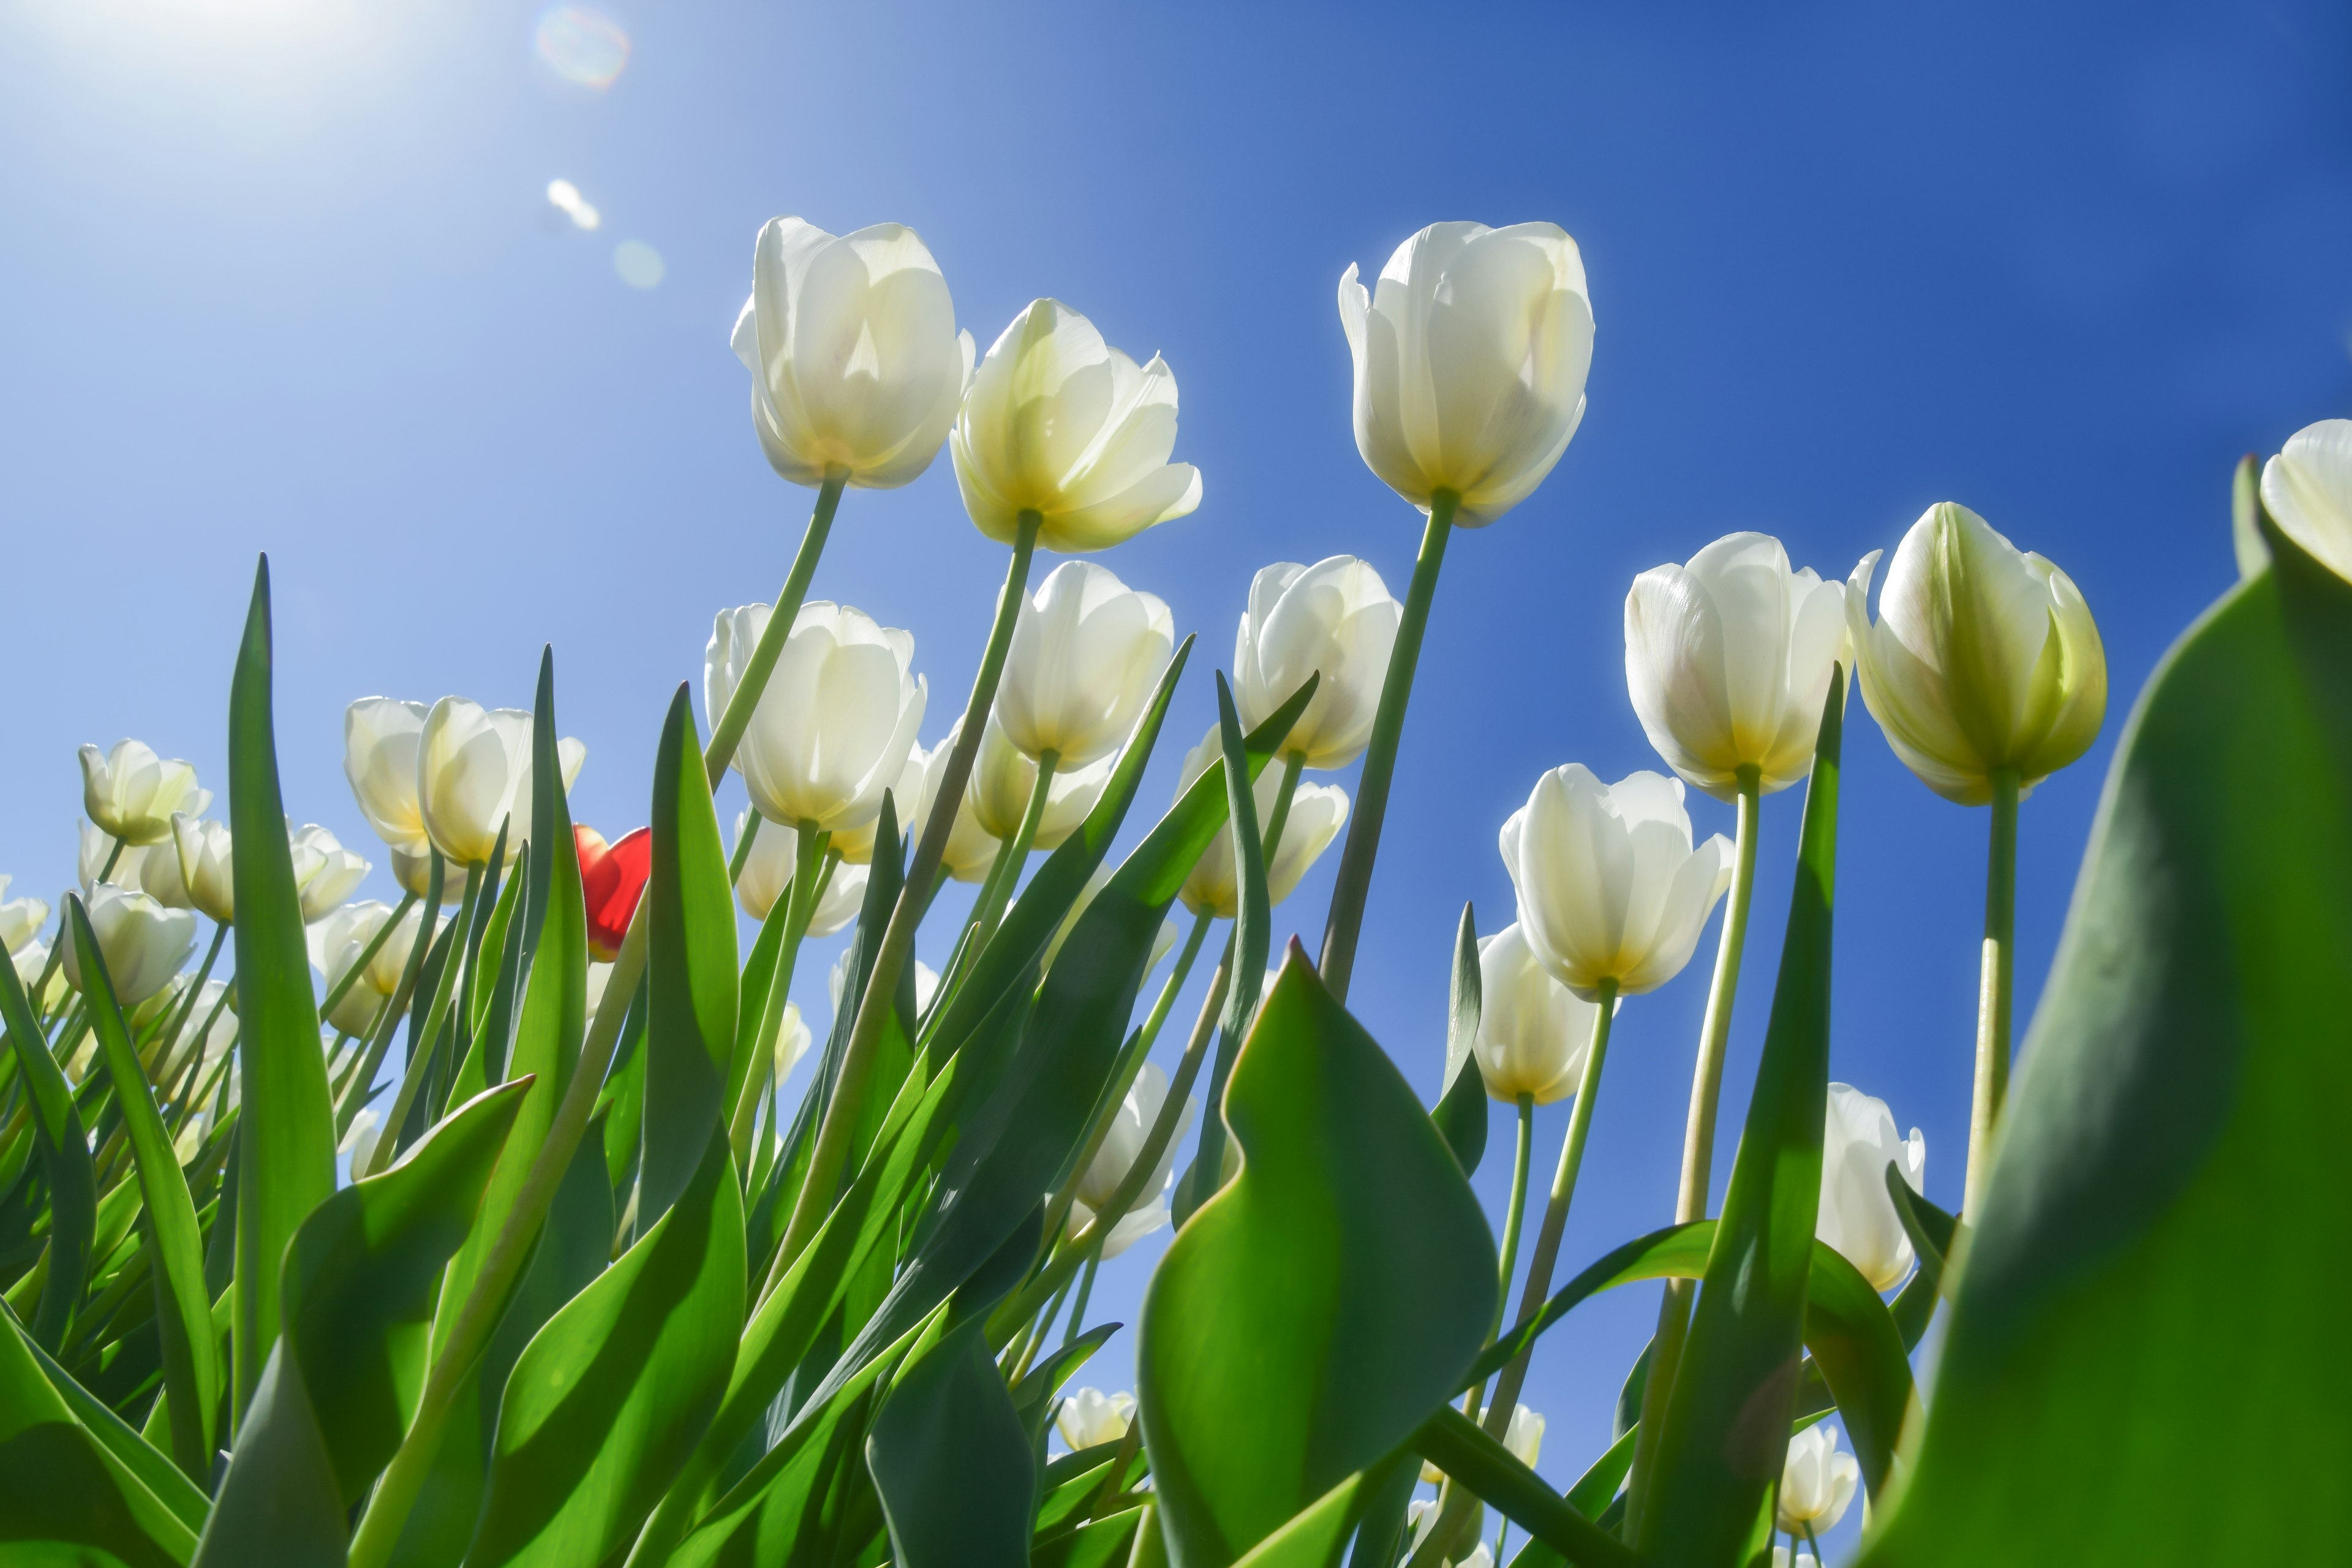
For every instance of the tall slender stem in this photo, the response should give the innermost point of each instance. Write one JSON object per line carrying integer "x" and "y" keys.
{"x": 356, "y": 1094}
{"x": 1085, "y": 1294}
{"x": 809, "y": 875}
{"x": 421, "y": 1044}
{"x": 1013, "y": 856}
{"x": 1995, "y": 984}
{"x": 1699, "y": 1146}
{"x": 1510, "y": 1258}
{"x": 167, "y": 1058}
{"x": 897, "y": 948}
{"x": 727, "y": 732}
{"x": 1355, "y": 879}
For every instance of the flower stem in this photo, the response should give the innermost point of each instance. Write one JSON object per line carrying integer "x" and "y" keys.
{"x": 1086, "y": 1293}
{"x": 1698, "y": 1146}
{"x": 812, "y": 869}
{"x": 355, "y": 1095}
{"x": 1510, "y": 1258}
{"x": 1013, "y": 856}
{"x": 728, "y": 733}
{"x": 421, "y": 1043}
{"x": 1995, "y": 984}
{"x": 167, "y": 1058}
{"x": 1355, "y": 879}
{"x": 735, "y": 862}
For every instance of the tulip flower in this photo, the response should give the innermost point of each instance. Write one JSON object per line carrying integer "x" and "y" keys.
{"x": 857, "y": 365}
{"x": 1612, "y": 894}
{"x": 1856, "y": 1217}
{"x": 1728, "y": 661}
{"x": 834, "y": 728}
{"x": 1139, "y": 1222}
{"x": 359, "y": 1143}
{"x": 1523, "y": 1437}
{"x": 32, "y": 961}
{"x": 325, "y": 872}
{"x": 1131, "y": 1125}
{"x": 336, "y": 943}
{"x": 1003, "y": 779}
{"x": 202, "y": 850}
{"x": 1533, "y": 1032}
{"x": 1316, "y": 815}
{"x": 21, "y": 919}
{"x": 971, "y": 848}
{"x": 98, "y": 849}
{"x": 1470, "y": 363}
{"x": 1422, "y": 1517}
{"x": 131, "y": 793}
{"x": 1088, "y": 1418}
{"x": 1780, "y": 1559}
{"x": 1335, "y": 619}
{"x": 1817, "y": 1483}
{"x": 381, "y": 737}
{"x": 143, "y": 944}
{"x": 473, "y": 772}
{"x": 2307, "y": 490}
{"x": 611, "y": 879}
{"x": 792, "y": 1041}
{"x": 412, "y": 869}
{"x": 1060, "y": 424}
{"x": 768, "y": 875}
{"x": 1087, "y": 652}
{"x": 855, "y": 845}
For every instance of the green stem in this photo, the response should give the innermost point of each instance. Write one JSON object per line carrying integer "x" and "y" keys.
{"x": 167, "y": 1061}
{"x": 367, "y": 955}
{"x": 855, "y": 1081}
{"x": 1355, "y": 879}
{"x": 736, "y": 862}
{"x": 1510, "y": 1258}
{"x": 1279, "y": 818}
{"x": 420, "y": 1045}
{"x": 1996, "y": 983}
{"x": 727, "y": 733}
{"x": 1012, "y": 856}
{"x": 811, "y": 868}
{"x": 355, "y": 1095}
{"x": 1085, "y": 1294}
{"x": 1698, "y": 1146}
{"x": 1038, "y": 1332}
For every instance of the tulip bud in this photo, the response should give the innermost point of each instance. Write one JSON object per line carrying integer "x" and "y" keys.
{"x": 1087, "y": 652}
{"x": 1857, "y": 1217}
{"x": 1318, "y": 812}
{"x": 1522, "y": 1435}
{"x": 20, "y": 918}
{"x": 1984, "y": 658}
{"x": 325, "y": 873}
{"x": 1336, "y": 620}
{"x": 1533, "y": 1032}
{"x": 1089, "y": 1418}
{"x": 381, "y": 737}
{"x": 1059, "y": 422}
{"x": 837, "y": 719}
{"x": 792, "y": 1042}
{"x": 768, "y": 875}
{"x": 131, "y": 793}
{"x": 142, "y": 943}
{"x": 1003, "y": 779}
{"x": 1470, "y": 363}
{"x": 1728, "y": 661}
{"x": 2307, "y": 490}
{"x": 857, "y": 365}
{"x": 1610, "y": 885}
{"x": 1816, "y": 1483}
{"x": 202, "y": 850}
{"x": 473, "y": 773}
{"x": 611, "y": 879}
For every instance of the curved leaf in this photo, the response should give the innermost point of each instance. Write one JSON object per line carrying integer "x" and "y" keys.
{"x": 1457, "y": 1444}
{"x": 950, "y": 1460}
{"x": 65, "y": 1163}
{"x": 147, "y": 1464}
{"x": 277, "y": 1502}
{"x": 1461, "y": 1108}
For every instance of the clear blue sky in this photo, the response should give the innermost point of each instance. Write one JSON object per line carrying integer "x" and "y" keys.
{"x": 281, "y": 274}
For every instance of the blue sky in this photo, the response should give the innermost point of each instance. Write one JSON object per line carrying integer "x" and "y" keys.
{"x": 283, "y": 276}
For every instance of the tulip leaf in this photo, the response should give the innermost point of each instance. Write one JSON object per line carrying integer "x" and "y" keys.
{"x": 1727, "y": 1423}
{"x": 286, "y": 1141}
{"x": 66, "y": 1164}
{"x": 167, "y": 1220}
{"x": 613, "y": 1393}
{"x": 1032, "y": 1397}
{"x": 1098, "y": 1544}
{"x": 277, "y": 1503}
{"x": 146, "y": 1463}
{"x": 1073, "y": 1482}
{"x": 1932, "y": 1232}
{"x": 1459, "y": 1446}
{"x": 1461, "y": 1110}
{"x": 2157, "y": 1195}
{"x": 1314, "y": 1537}
{"x": 950, "y": 1460}
{"x": 1349, "y": 1241}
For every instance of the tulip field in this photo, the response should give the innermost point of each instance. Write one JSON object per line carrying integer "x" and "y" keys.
{"x": 529, "y": 1221}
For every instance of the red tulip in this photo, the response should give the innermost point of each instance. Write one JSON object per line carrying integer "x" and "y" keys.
{"x": 612, "y": 875}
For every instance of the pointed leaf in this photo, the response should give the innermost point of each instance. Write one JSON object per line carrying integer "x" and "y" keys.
{"x": 66, "y": 1164}
{"x": 1461, "y": 1110}
{"x": 277, "y": 1502}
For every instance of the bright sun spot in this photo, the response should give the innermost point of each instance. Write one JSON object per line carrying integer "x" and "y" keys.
{"x": 565, "y": 197}
{"x": 582, "y": 46}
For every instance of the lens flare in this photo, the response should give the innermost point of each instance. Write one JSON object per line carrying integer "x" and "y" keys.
{"x": 639, "y": 264}
{"x": 582, "y": 46}
{"x": 565, "y": 197}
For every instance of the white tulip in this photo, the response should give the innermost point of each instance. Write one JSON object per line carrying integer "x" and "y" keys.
{"x": 1728, "y": 661}
{"x": 1533, "y": 1032}
{"x": 1610, "y": 888}
{"x": 381, "y": 737}
{"x": 1087, "y": 652}
{"x": 1318, "y": 812}
{"x": 20, "y": 918}
{"x": 131, "y": 793}
{"x": 30, "y": 959}
{"x": 792, "y": 1041}
{"x": 1130, "y": 1125}
{"x": 324, "y": 871}
{"x": 1003, "y": 779}
{"x": 1421, "y": 1515}
{"x": 834, "y": 723}
{"x": 1523, "y": 1435}
{"x": 1803, "y": 1559}
{"x": 1816, "y": 1483}
{"x": 857, "y": 365}
{"x": 203, "y": 852}
{"x": 156, "y": 873}
{"x": 1161, "y": 944}
{"x": 971, "y": 848}
{"x": 1471, "y": 358}
{"x": 97, "y": 849}
{"x": 768, "y": 875}
{"x": 2307, "y": 490}
{"x": 473, "y": 772}
{"x": 1984, "y": 658}
{"x": 412, "y": 869}
{"x": 1336, "y": 620}
{"x": 218, "y": 1039}
{"x": 336, "y": 943}
{"x": 142, "y": 943}
{"x": 1089, "y": 1417}
{"x": 855, "y": 845}
{"x": 1857, "y": 1217}
{"x": 1059, "y": 422}
{"x": 1135, "y": 1225}
{"x": 359, "y": 1143}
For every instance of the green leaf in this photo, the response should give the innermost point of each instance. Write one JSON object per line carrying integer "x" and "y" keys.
{"x": 363, "y": 1275}
{"x": 1098, "y": 1543}
{"x": 950, "y": 1460}
{"x": 1350, "y": 1241}
{"x": 1727, "y": 1424}
{"x": 168, "y": 1231}
{"x": 145, "y": 1462}
{"x": 1033, "y": 1398}
{"x": 612, "y": 1393}
{"x": 690, "y": 968}
{"x": 1457, "y": 1444}
{"x": 1932, "y": 1232}
{"x": 286, "y": 1138}
{"x": 1461, "y": 1110}
{"x": 277, "y": 1502}
{"x": 1314, "y": 1537}
{"x": 2144, "y": 1360}
{"x": 66, "y": 1164}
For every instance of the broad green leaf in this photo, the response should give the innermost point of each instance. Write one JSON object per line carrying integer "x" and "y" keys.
{"x": 286, "y": 1136}
{"x": 1071, "y": 1484}
{"x": 1350, "y": 1241}
{"x": 362, "y": 1274}
{"x": 1461, "y": 1110}
{"x": 1932, "y": 1232}
{"x": 146, "y": 1462}
{"x": 1032, "y": 1397}
{"x": 1314, "y": 1537}
{"x": 168, "y": 1231}
{"x": 277, "y": 1502}
{"x": 1459, "y": 1446}
{"x": 56, "y": 1132}
{"x": 1098, "y": 1544}
{"x": 2144, "y": 1361}
{"x": 691, "y": 972}
{"x": 1727, "y": 1423}
{"x": 950, "y": 1460}
{"x": 613, "y": 1393}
